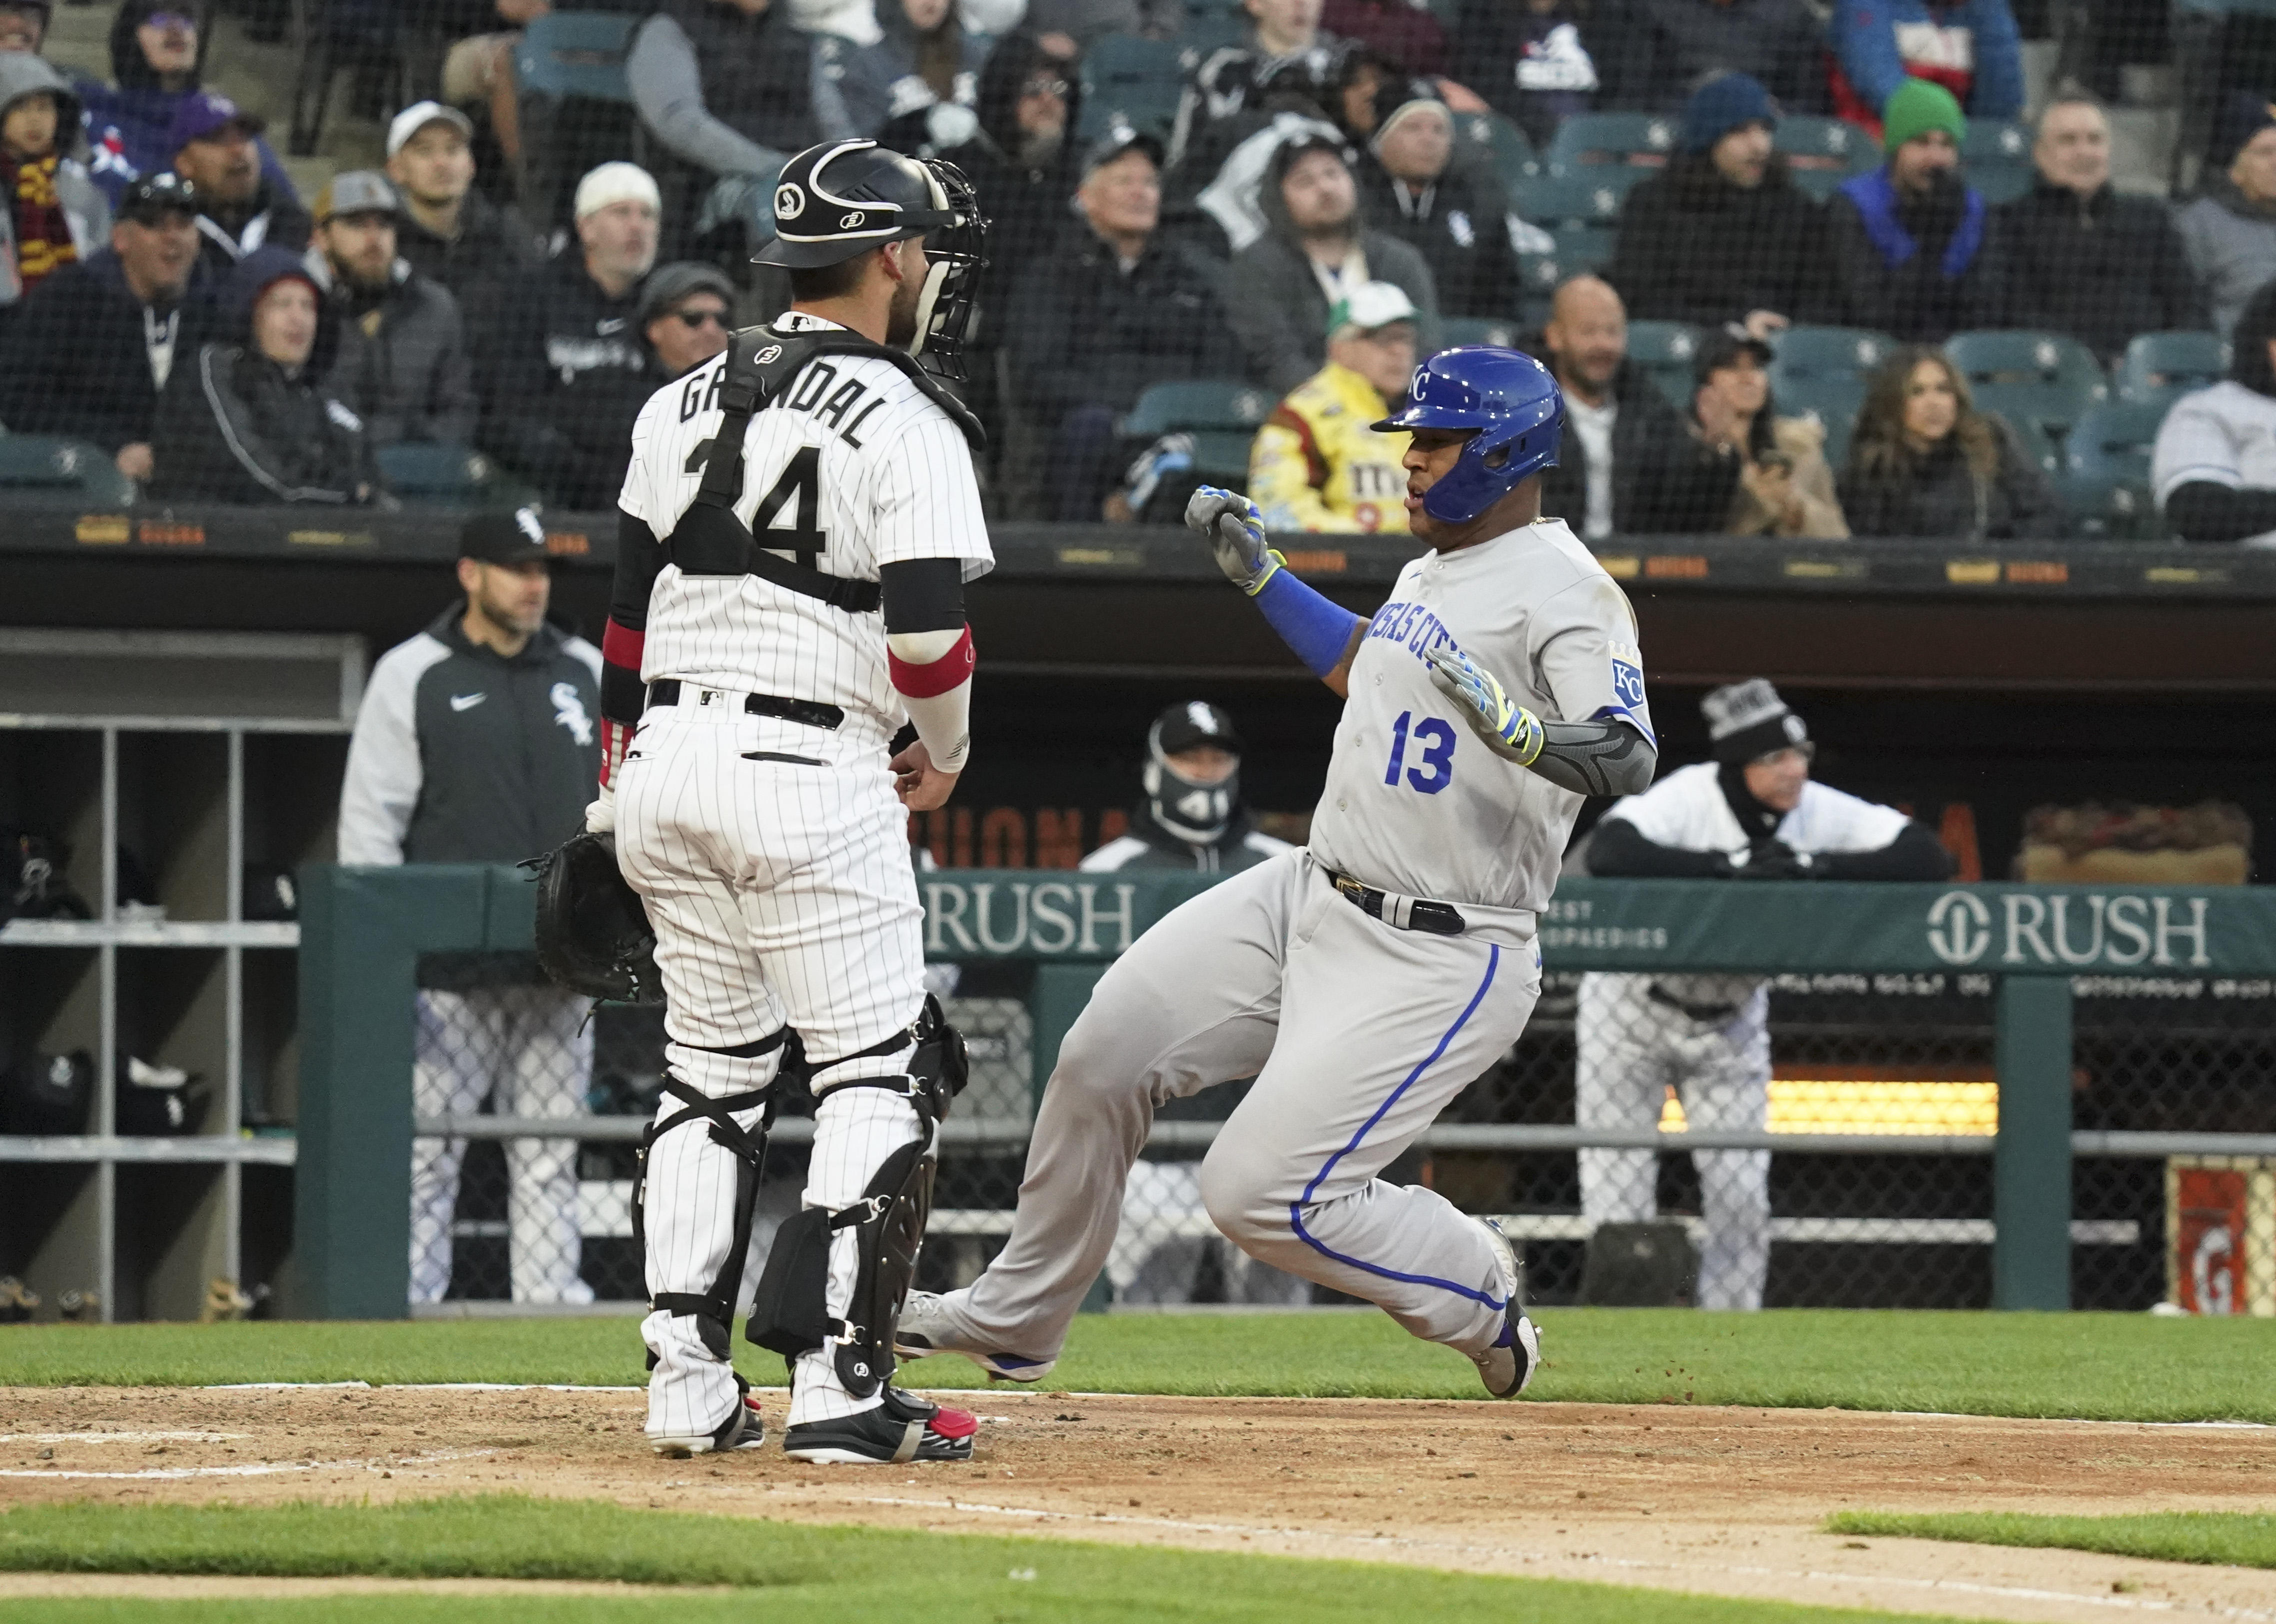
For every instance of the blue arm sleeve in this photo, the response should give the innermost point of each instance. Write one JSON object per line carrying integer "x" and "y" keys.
{"x": 1867, "y": 46}
{"x": 1318, "y": 631}
{"x": 1998, "y": 92}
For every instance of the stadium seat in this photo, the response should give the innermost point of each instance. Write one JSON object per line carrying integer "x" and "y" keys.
{"x": 1822, "y": 152}
{"x": 1550, "y": 199}
{"x": 1502, "y": 333}
{"x": 1584, "y": 247}
{"x": 423, "y": 474}
{"x": 58, "y": 463}
{"x": 1833, "y": 398}
{"x": 1198, "y": 404}
{"x": 1205, "y": 32}
{"x": 575, "y": 105}
{"x": 1496, "y": 141}
{"x": 1996, "y": 157}
{"x": 2044, "y": 379}
{"x": 1537, "y": 276}
{"x": 1127, "y": 79}
{"x": 1665, "y": 350}
{"x": 1824, "y": 370}
{"x": 2158, "y": 368}
{"x": 1593, "y": 141}
{"x": 2106, "y": 470}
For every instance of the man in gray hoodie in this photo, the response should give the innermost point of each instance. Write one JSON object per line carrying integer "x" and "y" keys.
{"x": 1316, "y": 248}
{"x": 2230, "y": 231}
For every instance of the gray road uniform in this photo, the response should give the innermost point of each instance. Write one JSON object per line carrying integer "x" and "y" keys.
{"x": 1358, "y": 1024}
{"x": 1706, "y": 1036}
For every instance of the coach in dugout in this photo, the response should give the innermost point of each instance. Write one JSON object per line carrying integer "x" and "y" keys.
{"x": 1752, "y": 812}
{"x": 477, "y": 742}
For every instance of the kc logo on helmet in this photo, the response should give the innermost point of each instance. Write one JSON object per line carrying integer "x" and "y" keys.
{"x": 790, "y": 202}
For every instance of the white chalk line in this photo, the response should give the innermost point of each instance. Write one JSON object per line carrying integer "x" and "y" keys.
{"x": 121, "y": 1438}
{"x": 258, "y": 1469}
{"x": 1962, "y": 1586}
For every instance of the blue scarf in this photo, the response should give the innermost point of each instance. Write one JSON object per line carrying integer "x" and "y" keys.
{"x": 1876, "y": 204}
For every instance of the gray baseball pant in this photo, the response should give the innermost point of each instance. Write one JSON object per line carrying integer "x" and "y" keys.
{"x": 1358, "y": 1035}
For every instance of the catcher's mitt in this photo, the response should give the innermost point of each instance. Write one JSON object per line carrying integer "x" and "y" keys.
{"x": 593, "y": 935}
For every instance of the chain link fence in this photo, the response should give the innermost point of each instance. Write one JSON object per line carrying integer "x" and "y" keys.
{"x": 1851, "y": 1122}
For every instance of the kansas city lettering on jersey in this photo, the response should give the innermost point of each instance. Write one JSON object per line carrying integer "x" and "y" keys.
{"x": 813, "y": 393}
{"x": 1411, "y": 624}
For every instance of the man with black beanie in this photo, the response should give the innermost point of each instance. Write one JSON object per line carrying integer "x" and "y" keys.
{"x": 1752, "y": 812}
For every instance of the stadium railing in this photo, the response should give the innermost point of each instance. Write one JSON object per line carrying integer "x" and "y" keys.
{"x": 1984, "y": 1095}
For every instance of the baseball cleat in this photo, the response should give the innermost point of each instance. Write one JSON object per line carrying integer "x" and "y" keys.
{"x": 903, "y": 1428}
{"x": 924, "y": 1330}
{"x": 1508, "y": 1365}
{"x": 744, "y": 1429}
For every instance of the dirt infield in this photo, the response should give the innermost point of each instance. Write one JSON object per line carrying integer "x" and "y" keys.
{"x": 1710, "y": 1500}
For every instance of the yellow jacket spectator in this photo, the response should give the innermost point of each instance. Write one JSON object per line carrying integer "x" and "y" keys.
{"x": 1318, "y": 462}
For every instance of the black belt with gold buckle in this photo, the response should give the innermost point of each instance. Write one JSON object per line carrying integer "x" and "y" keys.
{"x": 1433, "y": 918}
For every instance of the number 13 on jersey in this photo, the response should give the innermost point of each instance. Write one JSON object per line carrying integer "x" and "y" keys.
{"x": 1434, "y": 740}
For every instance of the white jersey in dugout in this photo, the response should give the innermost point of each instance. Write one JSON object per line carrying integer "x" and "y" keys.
{"x": 1414, "y": 804}
{"x": 850, "y": 467}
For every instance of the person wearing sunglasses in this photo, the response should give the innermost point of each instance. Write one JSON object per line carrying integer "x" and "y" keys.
{"x": 686, "y": 315}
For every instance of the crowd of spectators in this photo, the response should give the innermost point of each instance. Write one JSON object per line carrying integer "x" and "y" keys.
{"x": 158, "y": 267}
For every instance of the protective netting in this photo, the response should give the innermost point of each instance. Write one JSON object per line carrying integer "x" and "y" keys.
{"x": 1837, "y": 1222}
{"x": 1184, "y": 195}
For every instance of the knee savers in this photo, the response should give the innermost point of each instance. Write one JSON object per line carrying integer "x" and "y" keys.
{"x": 790, "y": 1314}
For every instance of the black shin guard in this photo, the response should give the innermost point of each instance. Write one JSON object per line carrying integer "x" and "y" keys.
{"x": 715, "y": 1309}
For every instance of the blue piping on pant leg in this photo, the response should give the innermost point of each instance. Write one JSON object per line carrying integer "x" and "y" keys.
{"x": 1296, "y": 1207}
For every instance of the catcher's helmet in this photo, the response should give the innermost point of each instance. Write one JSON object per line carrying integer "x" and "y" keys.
{"x": 838, "y": 198}
{"x": 1510, "y": 400}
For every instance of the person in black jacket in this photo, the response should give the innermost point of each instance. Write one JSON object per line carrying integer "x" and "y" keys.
{"x": 401, "y": 363}
{"x": 1451, "y": 210}
{"x": 1724, "y": 234}
{"x": 2081, "y": 259}
{"x": 215, "y": 149}
{"x": 1115, "y": 309}
{"x": 449, "y": 232}
{"x": 1926, "y": 463}
{"x": 477, "y": 742}
{"x": 1627, "y": 463}
{"x": 567, "y": 372}
{"x": 1914, "y": 253}
{"x": 1532, "y": 60}
{"x": 95, "y": 341}
{"x": 244, "y": 420}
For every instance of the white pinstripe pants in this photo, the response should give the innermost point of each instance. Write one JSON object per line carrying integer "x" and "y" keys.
{"x": 782, "y": 894}
{"x": 532, "y": 1048}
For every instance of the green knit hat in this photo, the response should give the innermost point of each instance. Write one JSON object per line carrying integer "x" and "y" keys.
{"x": 1916, "y": 107}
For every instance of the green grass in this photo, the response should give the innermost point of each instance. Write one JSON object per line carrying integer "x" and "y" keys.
{"x": 2233, "y": 1538}
{"x": 2094, "y": 1366}
{"x": 840, "y": 1573}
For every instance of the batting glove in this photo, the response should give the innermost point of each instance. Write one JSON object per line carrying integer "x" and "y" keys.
{"x": 1236, "y": 529}
{"x": 600, "y": 812}
{"x": 1507, "y": 728}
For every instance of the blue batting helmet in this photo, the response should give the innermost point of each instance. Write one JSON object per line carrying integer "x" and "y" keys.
{"x": 1510, "y": 400}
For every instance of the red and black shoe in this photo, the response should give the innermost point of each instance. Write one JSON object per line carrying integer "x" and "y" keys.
{"x": 903, "y": 1428}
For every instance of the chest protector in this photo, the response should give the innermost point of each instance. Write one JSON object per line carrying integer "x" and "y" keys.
{"x": 761, "y": 363}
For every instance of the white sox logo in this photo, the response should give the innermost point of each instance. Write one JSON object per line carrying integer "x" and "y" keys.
{"x": 790, "y": 202}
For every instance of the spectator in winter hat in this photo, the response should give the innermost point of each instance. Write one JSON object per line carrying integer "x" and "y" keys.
{"x": 1450, "y": 208}
{"x": 1724, "y": 234}
{"x": 686, "y": 315}
{"x": 97, "y": 341}
{"x": 245, "y": 420}
{"x": 2230, "y": 229}
{"x": 50, "y": 212}
{"x": 1914, "y": 254}
{"x": 153, "y": 70}
{"x": 569, "y": 372}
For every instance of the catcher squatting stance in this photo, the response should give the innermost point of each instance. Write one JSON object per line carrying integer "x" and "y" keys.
{"x": 798, "y": 520}
{"x": 1365, "y": 981}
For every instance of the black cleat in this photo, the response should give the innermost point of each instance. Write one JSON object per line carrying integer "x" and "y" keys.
{"x": 903, "y": 1428}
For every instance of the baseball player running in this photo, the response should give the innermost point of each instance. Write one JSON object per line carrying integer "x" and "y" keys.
{"x": 798, "y": 520}
{"x": 1364, "y": 981}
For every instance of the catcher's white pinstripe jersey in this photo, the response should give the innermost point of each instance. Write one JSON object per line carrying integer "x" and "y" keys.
{"x": 851, "y": 467}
